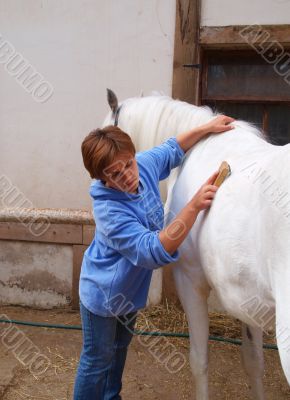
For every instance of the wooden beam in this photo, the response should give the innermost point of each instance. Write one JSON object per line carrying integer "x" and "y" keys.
{"x": 88, "y": 233}
{"x": 42, "y": 232}
{"x": 78, "y": 253}
{"x": 229, "y": 36}
{"x": 185, "y": 84}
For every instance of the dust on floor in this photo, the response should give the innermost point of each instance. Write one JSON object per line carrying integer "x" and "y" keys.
{"x": 147, "y": 375}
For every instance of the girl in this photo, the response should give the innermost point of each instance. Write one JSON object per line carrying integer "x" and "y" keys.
{"x": 129, "y": 243}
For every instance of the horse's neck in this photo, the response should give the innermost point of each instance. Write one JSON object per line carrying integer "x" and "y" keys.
{"x": 158, "y": 118}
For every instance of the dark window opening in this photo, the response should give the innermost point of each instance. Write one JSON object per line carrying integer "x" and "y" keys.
{"x": 243, "y": 85}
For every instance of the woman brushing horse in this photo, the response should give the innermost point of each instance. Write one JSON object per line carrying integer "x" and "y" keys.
{"x": 129, "y": 243}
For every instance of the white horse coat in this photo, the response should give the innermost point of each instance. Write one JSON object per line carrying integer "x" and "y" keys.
{"x": 240, "y": 246}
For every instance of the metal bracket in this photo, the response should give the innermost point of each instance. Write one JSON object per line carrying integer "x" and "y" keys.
{"x": 197, "y": 66}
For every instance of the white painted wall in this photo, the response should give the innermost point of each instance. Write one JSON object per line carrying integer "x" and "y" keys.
{"x": 81, "y": 47}
{"x": 246, "y": 12}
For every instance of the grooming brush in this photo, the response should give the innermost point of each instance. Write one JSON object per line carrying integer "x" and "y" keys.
{"x": 224, "y": 172}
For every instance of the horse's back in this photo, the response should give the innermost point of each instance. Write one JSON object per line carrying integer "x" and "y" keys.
{"x": 226, "y": 238}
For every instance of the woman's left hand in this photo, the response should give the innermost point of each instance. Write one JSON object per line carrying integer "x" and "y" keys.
{"x": 220, "y": 124}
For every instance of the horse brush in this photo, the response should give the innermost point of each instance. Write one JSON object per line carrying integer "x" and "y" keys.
{"x": 224, "y": 171}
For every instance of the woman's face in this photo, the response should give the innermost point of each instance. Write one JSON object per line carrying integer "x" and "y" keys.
{"x": 123, "y": 173}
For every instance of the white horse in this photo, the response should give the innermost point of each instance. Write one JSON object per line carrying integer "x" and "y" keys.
{"x": 240, "y": 246}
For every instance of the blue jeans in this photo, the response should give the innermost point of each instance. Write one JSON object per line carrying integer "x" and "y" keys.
{"x": 102, "y": 361}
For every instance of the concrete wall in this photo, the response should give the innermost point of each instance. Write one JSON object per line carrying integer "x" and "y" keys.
{"x": 234, "y": 12}
{"x": 35, "y": 274}
{"x": 80, "y": 47}
{"x": 41, "y": 253}
{"x": 41, "y": 275}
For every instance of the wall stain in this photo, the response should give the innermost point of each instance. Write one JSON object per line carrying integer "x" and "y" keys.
{"x": 40, "y": 281}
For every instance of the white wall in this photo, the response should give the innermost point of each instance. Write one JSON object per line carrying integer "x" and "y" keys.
{"x": 246, "y": 12}
{"x": 81, "y": 47}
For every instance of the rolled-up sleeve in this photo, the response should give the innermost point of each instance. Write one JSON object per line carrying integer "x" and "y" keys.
{"x": 141, "y": 246}
{"x": 166, "y": 157}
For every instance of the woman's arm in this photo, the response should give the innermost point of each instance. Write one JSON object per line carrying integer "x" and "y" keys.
{"x": 220, "y": 124}
{"x": 174, "y": 233}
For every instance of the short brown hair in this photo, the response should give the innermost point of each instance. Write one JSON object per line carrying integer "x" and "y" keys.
{"x": 100, "y": 147}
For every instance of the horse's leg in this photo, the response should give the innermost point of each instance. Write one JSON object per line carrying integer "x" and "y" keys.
{"x": 283, "y": 328}
{"x": 194, "y": 303}
{"x": 199, "y": 330}
{"x": 253, "y": 359}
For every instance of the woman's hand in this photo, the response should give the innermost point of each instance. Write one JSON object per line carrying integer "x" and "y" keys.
{"x": 205, "y": 195}
{"x": 220, "y": 124}
{"x": 174, "y": 233}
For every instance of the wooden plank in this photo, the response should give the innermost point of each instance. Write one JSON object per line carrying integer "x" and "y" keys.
{"x": 225, "y": 36}
{"x": 248, "y": 99}
{"x": 78, "y": 253}
{"x": 185, "y": 85}
{"x": 42, "y": 232}
{"x": 88, "y": 233}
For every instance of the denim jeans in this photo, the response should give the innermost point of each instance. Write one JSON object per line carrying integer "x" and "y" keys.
{"x": 102, "y": 361}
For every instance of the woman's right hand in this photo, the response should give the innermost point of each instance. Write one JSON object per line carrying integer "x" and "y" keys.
{"x": 205, "y": 195}
{"x": 173, "y": 235}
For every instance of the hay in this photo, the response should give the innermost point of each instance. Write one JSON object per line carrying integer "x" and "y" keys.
{"x": 169, "y": 317}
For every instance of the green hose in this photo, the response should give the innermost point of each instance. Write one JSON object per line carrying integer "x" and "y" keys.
{"x": 168, "y": 334}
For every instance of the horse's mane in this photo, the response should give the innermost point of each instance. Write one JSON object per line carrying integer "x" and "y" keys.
{"x": 157, "y": 117}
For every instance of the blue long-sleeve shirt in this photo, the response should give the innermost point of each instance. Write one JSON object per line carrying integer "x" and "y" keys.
{"x": 117, "y": 266}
